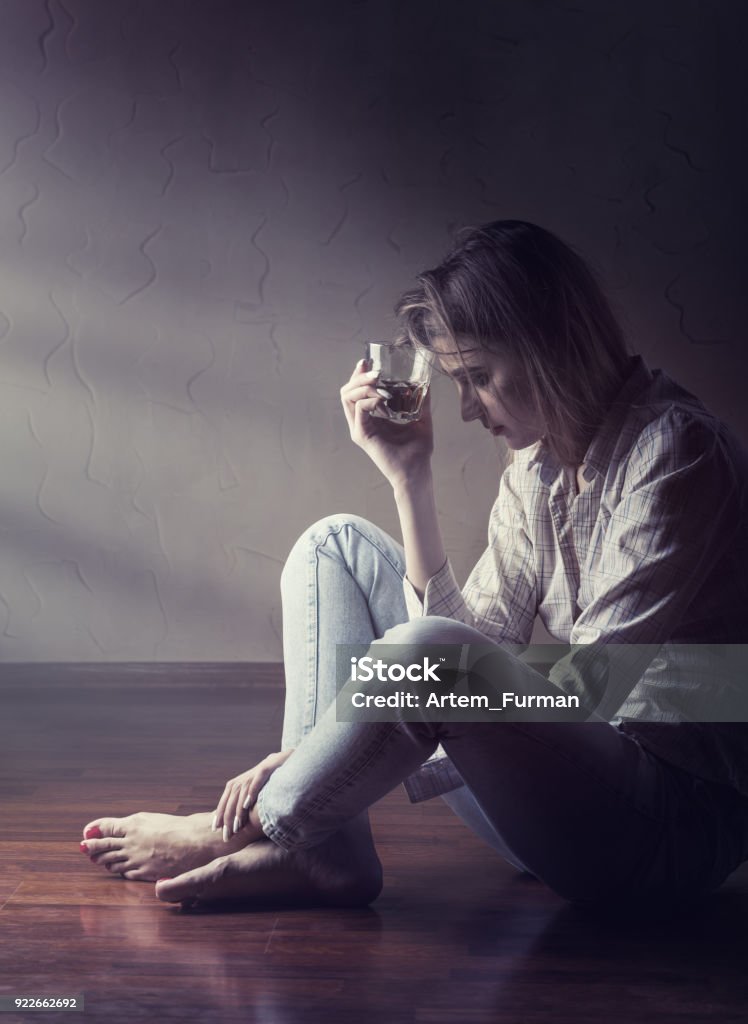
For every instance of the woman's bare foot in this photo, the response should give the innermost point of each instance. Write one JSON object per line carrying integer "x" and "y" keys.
{"x": 343, "y": 872}
{"x": 144, "y": 847}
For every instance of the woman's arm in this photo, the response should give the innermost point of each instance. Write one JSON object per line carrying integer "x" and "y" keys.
{"x": 422, "y": 538}
{"x": 499, "y": 597}
{"x": 402, "y": 453}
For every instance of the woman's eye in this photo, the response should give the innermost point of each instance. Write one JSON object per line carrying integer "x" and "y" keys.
{"x": 480, "y": 380}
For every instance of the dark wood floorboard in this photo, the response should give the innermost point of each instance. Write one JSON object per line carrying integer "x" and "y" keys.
{"x": 457, "y": 935}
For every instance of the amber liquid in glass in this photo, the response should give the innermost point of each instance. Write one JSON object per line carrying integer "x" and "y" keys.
{"x": 405, "y": 401}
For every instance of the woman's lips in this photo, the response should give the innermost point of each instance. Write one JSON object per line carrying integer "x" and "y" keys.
{"x": 496, "y": 430}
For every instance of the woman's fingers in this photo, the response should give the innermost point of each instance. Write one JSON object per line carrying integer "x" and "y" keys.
{"x": 234, "y": 815}
{"x": 363, "y": 391}
{"x": 218, "y": 815}
{"x": 354, "y": 393}
{"x": 224, "y": 816}
{"x": 231, "y": 824}
{"x": 362, "y": 428}
{"x": 253, "y": 788}
{"x": 358, "y": 379}
{"x": 360, "y": 372}
{"x": 359, "y": 388}
{"x": 358, "y": 415}
{"x": 240, "y": 794}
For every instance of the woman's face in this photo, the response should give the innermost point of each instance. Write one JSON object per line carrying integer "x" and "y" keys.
{"x": 492, "y": 390}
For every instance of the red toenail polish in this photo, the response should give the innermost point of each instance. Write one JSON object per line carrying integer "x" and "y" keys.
{"x": 84, "y": 848}
{"x": 93, "y": 833}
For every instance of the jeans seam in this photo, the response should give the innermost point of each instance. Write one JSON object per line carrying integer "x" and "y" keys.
{"x": 311, "y": 720}
{"x": 351, "y": 526}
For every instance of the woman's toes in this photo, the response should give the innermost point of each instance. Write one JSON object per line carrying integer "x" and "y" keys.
{"x": 167, "y": 892}
{"x": 117, "y": 867}
{"x": 102, "y": 827}
{"x": 111, "y": 858}
{"x": 190, "y": 884}
{"x": 95, "y": 847}
{"x": 106, "y": 853}
{"x": 134, "y": 874}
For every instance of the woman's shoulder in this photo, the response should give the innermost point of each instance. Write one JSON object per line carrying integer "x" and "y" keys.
{"x": 668, "y": 425}
{"x": 682, "y": 448}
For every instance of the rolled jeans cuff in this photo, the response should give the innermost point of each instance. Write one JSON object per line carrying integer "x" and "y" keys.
{"x": 273, "y": 833}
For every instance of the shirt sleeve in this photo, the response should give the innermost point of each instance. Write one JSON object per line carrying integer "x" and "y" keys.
{"x": 500, "y": 596}
{"x": 678, "y": 513}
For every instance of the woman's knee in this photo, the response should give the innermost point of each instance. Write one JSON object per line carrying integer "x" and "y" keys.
{"x": 430, "y": 629}
{"x": 320, "y": 533}
{"x": 416, "y": 641}
{"x": 470, "y": 651}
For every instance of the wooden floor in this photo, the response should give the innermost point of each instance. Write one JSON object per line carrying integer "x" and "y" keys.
{"x": 457, "y": 936}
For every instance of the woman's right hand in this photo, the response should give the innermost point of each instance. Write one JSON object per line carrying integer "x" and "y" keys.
{"x": 399, "y": 450}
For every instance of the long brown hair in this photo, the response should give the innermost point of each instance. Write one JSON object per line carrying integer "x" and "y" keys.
{"x": 515, "y": 288}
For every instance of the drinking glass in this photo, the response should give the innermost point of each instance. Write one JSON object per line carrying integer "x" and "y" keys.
{"x": 404, "y": 372}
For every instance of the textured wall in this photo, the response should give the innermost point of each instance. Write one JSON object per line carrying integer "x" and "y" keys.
{"x": 205, "y": 208}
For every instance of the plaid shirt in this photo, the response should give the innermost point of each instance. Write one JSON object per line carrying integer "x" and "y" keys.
{"x": 653, "y": 551}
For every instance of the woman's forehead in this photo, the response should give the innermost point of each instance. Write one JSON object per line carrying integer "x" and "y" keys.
{"x": 463, "y": 355}
{"x": 455, "y": 364}
{"x": 453, "y": 352}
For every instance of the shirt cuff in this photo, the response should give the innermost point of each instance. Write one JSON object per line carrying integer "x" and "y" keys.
{"x": 436, "y": 776}
{"x": 438, "y": 596}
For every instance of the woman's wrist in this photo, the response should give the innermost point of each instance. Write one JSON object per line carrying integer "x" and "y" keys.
{"x": 422, "y": 541}
{"x": 416, "y": 481}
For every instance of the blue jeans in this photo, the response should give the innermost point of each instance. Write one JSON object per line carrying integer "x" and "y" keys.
{"x": 583, "y": 806}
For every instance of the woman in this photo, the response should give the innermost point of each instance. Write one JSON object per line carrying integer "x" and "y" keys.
{"x": 619, "y": 520}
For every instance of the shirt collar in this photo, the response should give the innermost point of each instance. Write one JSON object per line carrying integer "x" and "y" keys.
{"x": 597, "y": 458}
